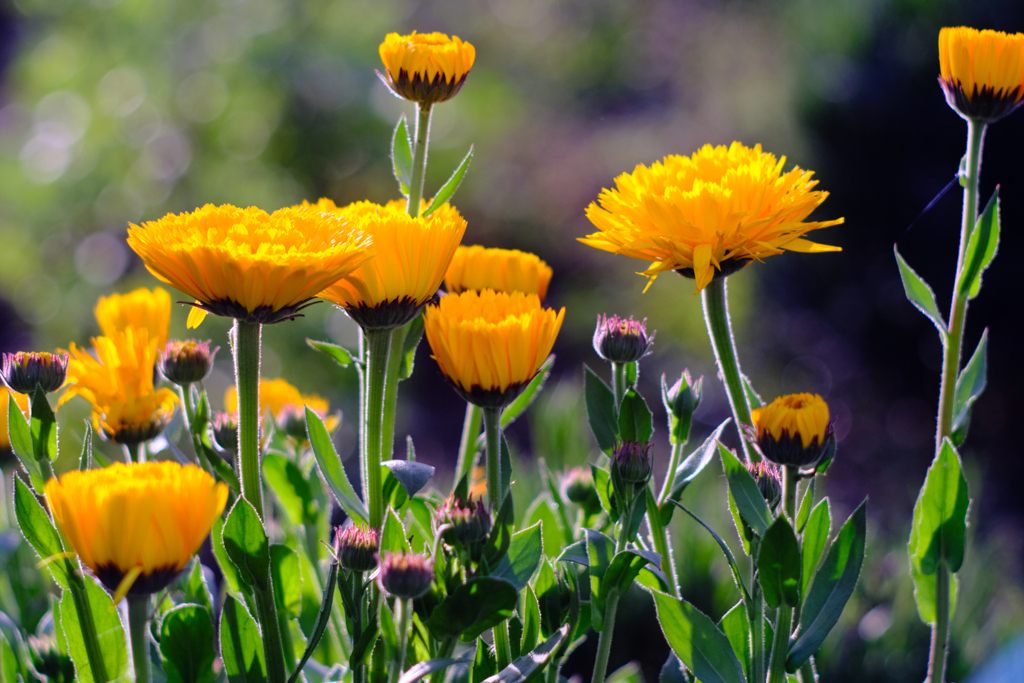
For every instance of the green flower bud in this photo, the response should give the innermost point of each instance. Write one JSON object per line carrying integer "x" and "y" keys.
{"x": 187, "y": 361}
{"x": 469, "y": 522}
{"x": 681, "y": 400}
{"x": 405, "y": 575}
{"x": 25, "y": 370}
{"x": 356, "y": 547}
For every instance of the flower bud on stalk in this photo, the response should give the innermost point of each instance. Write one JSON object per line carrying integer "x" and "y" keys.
{"x": 25, "y": 370}
{"x": 631, "y": 468}
{"x": 681, "y": 401}
{"x": 618, "y": 340}
{"x": 769, "y": 481}
{"x": 794, "y": 430}
{"x": 225, "y": 431}
{"x": 578, "y": 487}
{"x": 405, "y": 575}
{"x": 356, "y": 547}
{"x": 469, "y": 522}
{"x": 187, "y": 361}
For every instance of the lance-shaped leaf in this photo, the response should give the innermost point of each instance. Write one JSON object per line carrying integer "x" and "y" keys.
{"x": 635, "y": 423}
{"x": 241, "y": 646}
{"x": 291, "y": 488}
{"x": 524, "y": 668}
{"x": 778, "y": 565}
{"x": 920, "y": 294}
{"x": 522, "y": 558}
{"x": 601, "y": 410}
{"x": 451, "y": 185}
{"x": 970, "y": 384}
{"x": 44, "y": 427}
{"x": 323, "y": 618}
{"x": 698, "y": 643}
{"x": 186, "y": 644}
{"x": 532, "y": 390}
{"x": 815, "y": 539}
{"x": 749, "y": 500}
{"x": 736, "y": 574}
{"x": 392, "y": 536}
{"x": 688, "y": 470}
{"x": 247, "y": 545}
{"x": 331, "y": 468}
{"x": 339, "y": 354}
{"x": 401, "y": 156}
{"x": 39, "y": 531}
{"x": 21, "y": 443}
{"x": 107, "y": 624}
{"x": 623, "y": 569}
{"x": 981, "y": 247}
{"x": 413, "y": 336}
{"x": 474, "y": 607}
{"x": 85, "y": 458}
{"x": 736, "y": 627}
{"x": 940, "y": 515}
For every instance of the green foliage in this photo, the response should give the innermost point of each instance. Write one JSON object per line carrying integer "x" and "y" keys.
{"x": 698, "y": 643}
{"x": 240, "y": 644}
{"x": 981, "y": 247}
{"x": 778, "y": 565}
{"x": 921, "y": 295}
{"x": 247, "y": 545}
{"x": 186, "y": 644}
{"x": 91, "y": 607}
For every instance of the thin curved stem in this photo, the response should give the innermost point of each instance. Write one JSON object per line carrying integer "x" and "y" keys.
{"x": 246, "y": 354}
{"x": 467, "y": 445}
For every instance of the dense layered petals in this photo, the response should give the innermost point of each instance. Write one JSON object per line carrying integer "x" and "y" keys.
{"x": 981, "y": 72}
{"x": 426, "y": 67}
{"x": 142, "y": 521}
{"x": 246, "y": 263}
{"x": 503, "y": 270}
{"x": 141, "y": 308}
{"x": 793, "y": 429}
{"x": 708, "y": 214}
{"x": 490, "y": 344}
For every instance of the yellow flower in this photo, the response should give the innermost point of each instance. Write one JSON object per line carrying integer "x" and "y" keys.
{"x": 410, "y": 257}
{"x": 503, "y": 270}
{"x": 286, "y": 405}
{"x": 713, "y": 211}
{"x": 22, "y": 402}
{"x": 491, "y": 344}
{"x": 246, "y": 263}
{"x": 136, "y": 526}
{"x": 793, "y": 429}
{"x": 981, "y": 72}
{"x": 426, "y": 67}
{"x": 141, "y": 308}
{"x": 118, "y": 382}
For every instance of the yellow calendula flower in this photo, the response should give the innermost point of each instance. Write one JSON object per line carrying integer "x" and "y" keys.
{"x": 793, "y": 429}
{"x": 410, "y": 257}
{"x": 118, "y": 382}
{"x": 426, "y": 67}
{"x": 491, "y": 344}
{"x": 708, "y": 214}
{"x": 22, "y": 402}
{"x": 136, "y": 526}
{"x": 503, "y": 270}
{"x": 141, "y": 308}
{"x": 246, "y": 263}
{"x": 981, "y": 72}
{"x": 286, "y": 406}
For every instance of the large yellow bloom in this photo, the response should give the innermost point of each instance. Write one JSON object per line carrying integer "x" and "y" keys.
{"x": 491, "y": 344}
{"x": 410, "y": 257}
{"x": 246, "y": 263}
{"x": 118, "y": 382}
{"x": 503, "y": 270}
{"x": 981, "y": 72}
{"x": 136, "y": 526}
{"x": 141, "y": 308}
{"x": 426, "y": 67}
{"x": 285, "y": 403}
{"x": 793, "y": 429}
{"x": 22, "y": 402}
{"x": 713, "y": 211}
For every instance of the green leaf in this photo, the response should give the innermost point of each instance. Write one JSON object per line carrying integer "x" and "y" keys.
{"x": 247, "y": 546}
{"x": 227, "y": 567}
{"x": 981, "y": 247}
{"x": 323, "y": 618}
{"x": 736, "y": 574}
{"x": 413, "y": 476}
{"x": 529, "y": 665}
{"x": 109, "y": 631}
{"x": 635, "y": 423}
{"x": 531, "y": 621}
{"x": 287, "y": 579}
{"x": 600, "y": 549}
{"x": 332, "y": 470}
{"x": 576, "y": 552}
{"x": 749, "y": 500}
{"x": 451, "y": 185}
{"x": 925, "y": 592}
{"x": 970, "y": 384}
{"x": 474, "y": 607}
{"x": 672, "y": 670}
{"x": 736, "y": 627}
{"x": 43, "y": 427}
{"x": 21, "y": 443}
{"x": 940, "y": 515}
{"x": 292, "y": 489}
{"x": 629, "y": 673}
{"x": 241, "y": 645}
{"x": 392, "y": 536}
{"x": 424, "y": 669}
{"x": 410, "y": 341}
{"x": 831, "y": 588}
{"x": 603, "y": 486}
{"x": 753, "y": 398}
{"x": 541, "y": 510}
{"x": 688, "y": 470}
{"x": 39, "y": 531}
{"x": 532, "y": 390}
{"x": 339, "y": 354}
{"x": 484, "y": 663}
{"x": 195, "y": 588}
{"x": 815, "y": 539}
{"x": 920, "y": 294}
{"x": 601, "y": 412}
{"x": 523, "y": 557}
{"x": 186, "y": 644}
{"x": 401, "y": 156}
{"x": 778, "y": 565}
{"x": 623, "y": 569}
{"x": 698, "y": 643}
{"x": 501, "y": 533}
{"x": 85, "y": 458}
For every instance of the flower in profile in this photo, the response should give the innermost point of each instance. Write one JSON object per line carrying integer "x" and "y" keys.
{"x": 793, "y": 430}
{"x": 425, "y": 67}
{"x": 285, "y": 404}
{"x": 186, "y": 361}
{"x": 981, "y": 72}
{"x": 618, "y": 340}
{"x": 141, "y": 308}
{"x": 118, "y": 382}
{"x": 356, "y": 547}
{"x": 503, "y": 270}
{"x": 489, "y": 345}
{"x": 25, "y": 370}
{"x": 246, "y": 263}
{"x": 22, "y": 402}
{"x": 405, "y": 575}
{"x": 709, "y": 214}
{"x": 136, "y": 526}
{"x": 410, "y": 257}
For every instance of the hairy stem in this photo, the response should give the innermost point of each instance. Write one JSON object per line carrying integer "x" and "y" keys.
{"x": 246, "y": 353}
{"x": 138, "y": 629}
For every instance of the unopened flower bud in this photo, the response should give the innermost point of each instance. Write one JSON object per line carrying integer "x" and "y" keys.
{"x": 469, "y": 521}
{"x": 291, "y": 420}
{"x": 225, "y": 431}
{"x": 405, "y": 575}
{"x": 769, "y": 481}
{"x": 681, "y": 400}
{"x": 356, "y": 547}
{"x": 187, "y": 361}
{"x": 24, "y": 370}
{"x": 578, "y": 487}
{"x": 632, "y": 462}
{"x": 47, "y": 658}
{"x": 621, "y": 341}
{"x": 794, "y": 430}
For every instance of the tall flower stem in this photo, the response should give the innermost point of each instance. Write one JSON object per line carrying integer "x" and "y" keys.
{"x": 76, "y": 584}
{"x": 496, "y": 495}
{"x": 138, "y": 627}
{"x": 618, "y": 382}
{"x": 611, "y": 606}
{"x": 757, "y": 672}
{"x": 467, "y": 446}
{"x": 391, "y": 391}
{"x": 270, "y": 626}
{"x": 715, "y": 300}
{"x": 378, "y": 350}
{"x": 419, "y": 158}
{"x": 246, "y": 354}
{"x": 784, "y": 620}
{"x": 402, "y": 621}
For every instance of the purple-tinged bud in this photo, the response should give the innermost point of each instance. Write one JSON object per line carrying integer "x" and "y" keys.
{"x": 769, "y": 481}
{"x": 24, "y": 370}
{"x": 632, "y": 462}
{"x": 469, "y": 521}
{"x": 225, "y": 431}
{"x": 186, "y": 361}
{"x": 621, "y": 341}
{"x": 681, "y": 400}
{"x": 356, "y": 547}
{"x": 405, "y": 575}
{"x": 578, "y": 487}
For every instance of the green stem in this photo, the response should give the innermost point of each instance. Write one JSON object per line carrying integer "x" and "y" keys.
{"x": 467, "y": 446}
{"x": 757, "y": 672}
{"x": 618, "y": 383}
{"x": 189, "y": 416}
{"x": 138, "y": 629}
{"x": 402, "y": 621}
{"x": 378, "y": 349}
{"x": 445, "y": 649}
{"x": 807, "y": 673}
{"x": 76, "y": 584}
{"x": 492, "y": 429}
{"x": 714, "y": 297}
{"x": 273, "y": 647}
{"x": 604, "y": 643}
{"x": 659, "y": 536}
{"x": 419, "y": 158}
{"x": 358, "y": 669}
{"x": 502, "y": 649}
{"x": 940, "y": 630}
{"x": 133, "y": 453}
{"x": 391, "y": 391}
{"x": 670, "y": 473}
{"x": 784, "y": 619}
{"x": 790, "y": 478}
{"x": 246, "y": 353}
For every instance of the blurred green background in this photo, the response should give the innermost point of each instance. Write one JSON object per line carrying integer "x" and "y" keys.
{"x": 118, "y": 111}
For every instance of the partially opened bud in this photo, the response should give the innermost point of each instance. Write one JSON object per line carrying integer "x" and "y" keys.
{"x": 187, "y": 361}
{"x": 469, "y": 521}
{"x": 23, "y": 371}
{"x": 225, "y": 431}
{"x": 618, "y": 340}
{"x": 405, "y": 575}
{"x": 632, "y": 462}
{"x": 681, "y": 400}
{"x": 769, "y": 481}
{"x": 356, "y": 547}
{"x": 794, "y": 430}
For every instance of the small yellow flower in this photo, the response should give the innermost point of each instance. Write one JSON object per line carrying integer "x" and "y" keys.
{"x": 141, "y": 308}
{"x": 503, "y": 270}
{"x": 410, "y": 257}
{"x": 709, "y": 214}
{"x": 981, "y": 72}
{"x": 426, "y": 67}
{"x": 246, "y": 263}
{"x": 22, "y": 402}
{"x": 118, "y": 382}
{"x": 490, "y": 344}
{"x": 793, "y": 429}
{"x": 285, "y": 403}
{"x": 136, "y": 526}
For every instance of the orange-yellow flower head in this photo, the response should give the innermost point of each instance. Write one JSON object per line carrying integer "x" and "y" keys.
{"x": 708, "y": 214}
{"x": 141, "y": 308}
{"x": 794, "y": 430}
{"x": 22, "y": 402}
{"x": 425, "y": 67}
{"x": 491, "y": 344}
{"x": 981, "y": 72}
{"x": 118, "y": 382}
{"x": 246, "y": 263}
{"x": 503, "y": 270}
{"x": 136, "y": 526}
{"x": 410, "y": 257}
{"x": 286, "y": 406}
